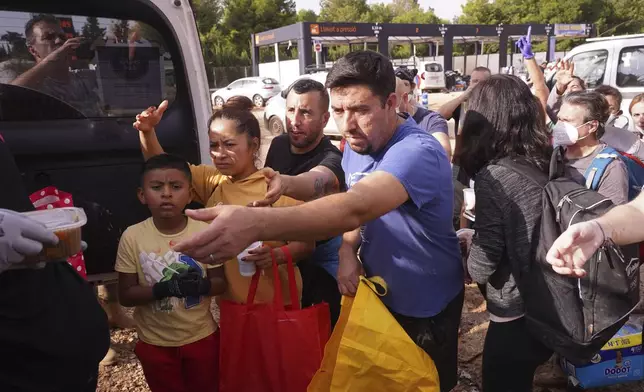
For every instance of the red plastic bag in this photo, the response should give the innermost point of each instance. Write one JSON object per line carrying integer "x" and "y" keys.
{"x": 270, "y": 347}
{"x": 48, "y": 198}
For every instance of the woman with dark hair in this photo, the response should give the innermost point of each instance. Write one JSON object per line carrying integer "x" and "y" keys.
{"x": 235, "y": 138}
{"x": 505, "y": 122}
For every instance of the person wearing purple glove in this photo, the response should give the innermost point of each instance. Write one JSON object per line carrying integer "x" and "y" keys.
{"x": 540, "y": 89}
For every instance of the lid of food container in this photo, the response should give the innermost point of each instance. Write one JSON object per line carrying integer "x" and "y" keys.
{"x": 59, "y": 219}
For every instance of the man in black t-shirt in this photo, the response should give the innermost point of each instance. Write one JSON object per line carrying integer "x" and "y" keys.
{"x": 53, "y": 332}
{"x": 311, "y": 167}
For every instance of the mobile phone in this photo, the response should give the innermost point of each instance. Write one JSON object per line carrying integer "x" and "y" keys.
{"x": 85, "y": 51}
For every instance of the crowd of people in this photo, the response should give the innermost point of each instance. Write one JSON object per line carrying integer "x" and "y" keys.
{"x": 389, "y": 205}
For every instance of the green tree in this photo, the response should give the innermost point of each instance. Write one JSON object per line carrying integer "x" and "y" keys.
{"x": 216, "y": 47}
{"x": 244, "y": 17}
{"x": 378, "y": 13}
{"x": 120, "y": 29}
{"x": 306, "y": 16}
{"x": 481, "y": 11}
{"x": 17, "y": 44}
{"x": 343, "y": 10}
{"x": 627, "y": 18}
{"x": 92, "y": 30}
{"x": 621, "y": 16}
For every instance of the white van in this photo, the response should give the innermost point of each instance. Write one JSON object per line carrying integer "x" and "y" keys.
{"x": 614, "y": 61}
{"x": 432, "y": 77}
{"x": 87, "y": 146}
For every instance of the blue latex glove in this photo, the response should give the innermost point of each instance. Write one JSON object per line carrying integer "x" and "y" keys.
{"x": 525, "y": 46}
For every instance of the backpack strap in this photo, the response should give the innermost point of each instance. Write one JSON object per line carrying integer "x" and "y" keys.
{"x": 557, "y": 164}
{"x": 598, "y": 167}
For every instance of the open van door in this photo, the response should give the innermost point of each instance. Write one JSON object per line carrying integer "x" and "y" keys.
{"x": 73, "y": 128}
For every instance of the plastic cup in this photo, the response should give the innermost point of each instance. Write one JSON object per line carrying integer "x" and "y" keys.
{"x": 66, "y": 223}
{"x": 469, "y": 198}
{"x": 248, "y": 269}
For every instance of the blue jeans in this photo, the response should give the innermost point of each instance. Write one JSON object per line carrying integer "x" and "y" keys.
{"x": 319, "y": 277}
{"x": 326, "y": 256}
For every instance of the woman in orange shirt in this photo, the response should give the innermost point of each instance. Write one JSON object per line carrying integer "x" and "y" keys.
{"x": 235, "y": 138}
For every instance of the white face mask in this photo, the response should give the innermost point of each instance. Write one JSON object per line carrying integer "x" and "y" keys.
{"x": 566, "y": 134}
{"x": 611, "y": 119}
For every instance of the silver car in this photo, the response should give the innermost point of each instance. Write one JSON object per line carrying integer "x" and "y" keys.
{"x": 258, "y": 89}
{"x": 275, "y": 112}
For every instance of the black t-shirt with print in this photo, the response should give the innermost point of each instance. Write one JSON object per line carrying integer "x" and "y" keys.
{"x": 53, "y": 332}
{"x": 281, "y": 159}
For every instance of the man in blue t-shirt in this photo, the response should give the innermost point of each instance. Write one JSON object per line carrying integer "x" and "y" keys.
{"x": 397, "y": 212}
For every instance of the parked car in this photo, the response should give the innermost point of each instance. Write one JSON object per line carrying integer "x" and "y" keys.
{"x": 615, "y": 61}
{"x": 275, "y": 111}
{"x": 258, "y": 89}
{"x": 432, "y": 78}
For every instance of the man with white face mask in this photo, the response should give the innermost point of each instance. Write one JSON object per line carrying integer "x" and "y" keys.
{"x": 579, "y": 127}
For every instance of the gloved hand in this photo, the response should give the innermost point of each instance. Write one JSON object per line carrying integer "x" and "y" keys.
{"x": 21, "y": 237}
{"x": 525, "y": 46}
{"x": 188, "y": 283}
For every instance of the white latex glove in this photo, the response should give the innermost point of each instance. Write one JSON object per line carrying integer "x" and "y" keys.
{"x": 21, "y": 237}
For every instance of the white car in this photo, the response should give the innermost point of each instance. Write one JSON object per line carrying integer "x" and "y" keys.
{"x": 258, "y": 89}
{"x": 275, "y": 111}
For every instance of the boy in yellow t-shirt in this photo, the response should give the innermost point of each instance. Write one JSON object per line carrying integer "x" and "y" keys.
{"x": 178, "y": 341}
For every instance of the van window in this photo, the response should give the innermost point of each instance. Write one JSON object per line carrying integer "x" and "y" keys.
{"x": 591, "y": 66}
{"x": 433, "y": 67}
{"x": 90, "y": 66}
{"x": 630, "y": 71}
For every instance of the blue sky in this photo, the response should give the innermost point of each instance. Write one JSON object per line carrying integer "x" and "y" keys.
{"x": 444, "y": 9}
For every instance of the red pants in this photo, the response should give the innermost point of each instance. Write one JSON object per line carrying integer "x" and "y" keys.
{"x": 193, "y": 367}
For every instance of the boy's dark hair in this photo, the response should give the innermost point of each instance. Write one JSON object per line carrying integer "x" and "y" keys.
{"x": 166, "y": 161}
{"x": 41, "y": 18}
{"x": 307, "y": 85}
{"x": 239, "y": 109}
{"x": 366, "y": 68}
{"x": 610, "y": 91}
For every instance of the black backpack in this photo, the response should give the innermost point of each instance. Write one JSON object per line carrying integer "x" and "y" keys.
{"x": 574, "y": 317}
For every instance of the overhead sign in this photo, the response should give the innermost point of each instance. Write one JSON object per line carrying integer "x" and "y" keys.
{"x": 342, "y": 29}
{"x": 263, "y": 37}
{"x": 570, "y": 30}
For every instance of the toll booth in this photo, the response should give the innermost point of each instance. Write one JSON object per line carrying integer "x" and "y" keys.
{"x": 379, "y": 37}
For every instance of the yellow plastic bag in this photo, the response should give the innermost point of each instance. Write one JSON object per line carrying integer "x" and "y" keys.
{"x": 370, "y": 351}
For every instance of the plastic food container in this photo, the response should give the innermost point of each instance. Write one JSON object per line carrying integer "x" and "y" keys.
{"x": 247, "y": 268}
{"x": 66, "y": 223}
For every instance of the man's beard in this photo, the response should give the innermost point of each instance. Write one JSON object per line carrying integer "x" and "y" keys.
{"x": 304, "y": 142}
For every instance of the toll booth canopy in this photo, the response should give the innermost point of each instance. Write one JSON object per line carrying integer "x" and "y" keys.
{"x": 313, "y": 36}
